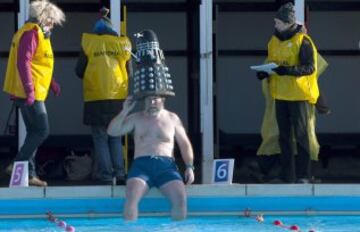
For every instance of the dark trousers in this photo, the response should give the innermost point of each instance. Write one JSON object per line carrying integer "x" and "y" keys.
{"x": 37, "y": 130}
{"x": 109, "y": 157}
{"x": 292, "y": 119}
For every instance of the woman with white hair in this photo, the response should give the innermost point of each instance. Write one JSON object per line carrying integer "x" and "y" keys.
{"x": 29, "y": 77}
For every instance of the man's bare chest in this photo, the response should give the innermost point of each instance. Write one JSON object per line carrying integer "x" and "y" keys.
{"x": 159, "y": 130}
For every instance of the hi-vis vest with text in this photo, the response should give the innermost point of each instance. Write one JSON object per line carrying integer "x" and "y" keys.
{"x": 41, "y": 66}
{"x": 291, "y": 88}
{"x": 105, "y": 76}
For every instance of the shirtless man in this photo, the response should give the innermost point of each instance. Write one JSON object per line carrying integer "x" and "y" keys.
{"x": 154, "y": 130}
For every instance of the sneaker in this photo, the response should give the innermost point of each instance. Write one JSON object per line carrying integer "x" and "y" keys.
{"x": 35, "y": 181}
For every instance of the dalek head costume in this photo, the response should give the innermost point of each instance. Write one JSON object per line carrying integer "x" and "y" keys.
{"x": 151, "y": 76}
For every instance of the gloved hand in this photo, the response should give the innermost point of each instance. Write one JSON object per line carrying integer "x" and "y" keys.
{"x": 281, "y": 70}
{"x": 30, "y": 99}
{"x": 55, "y": 87}
{"x": 262, "y": 75}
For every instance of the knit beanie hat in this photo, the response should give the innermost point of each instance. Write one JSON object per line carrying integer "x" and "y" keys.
{"x": 286, "y": 13}
{"x": 104, "y": 22}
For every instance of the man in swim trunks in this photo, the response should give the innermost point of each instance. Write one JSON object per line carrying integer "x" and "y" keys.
{"x": 154, "y": 130}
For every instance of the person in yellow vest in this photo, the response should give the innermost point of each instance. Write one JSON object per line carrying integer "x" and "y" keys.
{"x": 293, "y": 85}
{"x": 29, "y": 77}
{"x": 269, "y": 149}
{"x": 102, "y": 66}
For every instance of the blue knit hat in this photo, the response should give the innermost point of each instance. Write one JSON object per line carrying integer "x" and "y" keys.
{"x": 103, "y": 23}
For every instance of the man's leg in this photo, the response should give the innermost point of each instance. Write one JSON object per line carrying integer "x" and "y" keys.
{"x": 175, "y": 191}
{"x": 136, "y": 188}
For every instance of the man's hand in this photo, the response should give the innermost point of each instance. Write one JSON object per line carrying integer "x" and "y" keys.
{"x": 281, "y": 70}
{"x": 55, "y": 87}
{"x": 262, "y": 75}
{"x": 129, "y": 104}
{"x": 189, "y": 176}
{"x": 30, "y": 99}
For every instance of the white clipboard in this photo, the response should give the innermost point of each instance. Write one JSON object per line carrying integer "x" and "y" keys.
{"x": 264, "y": 68}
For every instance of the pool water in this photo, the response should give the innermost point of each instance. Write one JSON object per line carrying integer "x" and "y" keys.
{"x": 192, "y": 224}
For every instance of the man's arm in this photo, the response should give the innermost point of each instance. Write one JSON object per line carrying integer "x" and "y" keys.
{"x": 185, "y": 149}
{"x": 123, "y": 123}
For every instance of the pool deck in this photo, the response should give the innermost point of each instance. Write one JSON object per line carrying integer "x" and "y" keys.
{"x": 338, "y": 199}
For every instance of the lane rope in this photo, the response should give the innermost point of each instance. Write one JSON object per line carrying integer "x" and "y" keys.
{"x": 260, "y": 219}
{"x": 60, "y": 223}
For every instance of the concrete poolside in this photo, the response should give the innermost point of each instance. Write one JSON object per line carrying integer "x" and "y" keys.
{"x": 203, "y": 199}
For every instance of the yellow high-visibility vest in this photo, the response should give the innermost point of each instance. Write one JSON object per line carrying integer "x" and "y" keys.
{"x": 269, "y": 128}
{"x": 42, "y": 64}
{"x": 291, "y": 88}
{"x": 105, "y": 76}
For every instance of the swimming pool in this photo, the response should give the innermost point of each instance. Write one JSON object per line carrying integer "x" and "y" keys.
{"x": 211, "y": 208}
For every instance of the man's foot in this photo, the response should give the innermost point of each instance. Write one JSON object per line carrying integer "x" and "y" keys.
{"x": 35, "y": 181}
